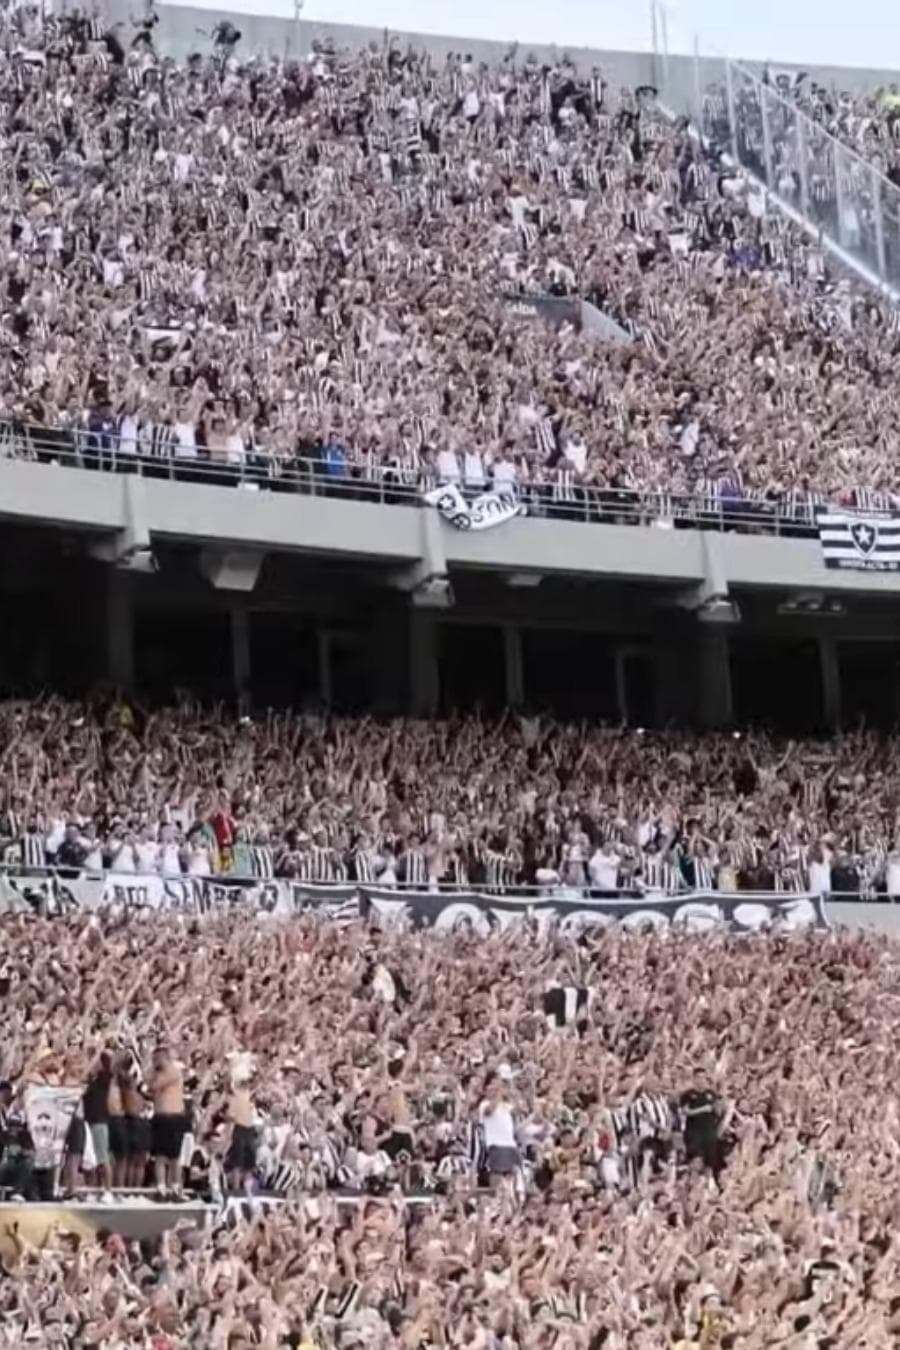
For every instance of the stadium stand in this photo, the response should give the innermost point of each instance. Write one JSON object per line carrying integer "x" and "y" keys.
{"x": 682, "y": 1160}
{"x": 506, "y": 806}
{"x": 146, "y": 203}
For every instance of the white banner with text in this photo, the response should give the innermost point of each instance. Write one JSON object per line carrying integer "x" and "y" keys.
{"x": 69, "y": 892}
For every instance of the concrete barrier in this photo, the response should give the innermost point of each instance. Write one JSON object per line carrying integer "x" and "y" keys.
{"x": 865, "y": 916}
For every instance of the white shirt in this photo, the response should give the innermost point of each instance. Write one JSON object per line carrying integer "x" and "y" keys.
{"x": 198, "y": 864}
{"x": 610, "y": 1172}
{"x": 234, "y": 448}
{"x": 473, "y": 468}
{"x": 147, "y": 855}
{"x": 122, "y": 857}
{"x": 820, "y": 878}
{"x": 56, "y": 834}
{"x": 547, "y": 879}
{"x": 128, "y": 435}
{"x": 113, "y": 273}
{"x": 517, "y": 207}
{"x": 576, "y": 453}
{"x": 447, "y": 466}
{"x": 388, "y": 875}
{"x": 185, "y": 440}
{"x": 892, "y": 875}
{"x": 498, "y": 1126}
{"x": 170, "y": 860}
{"x": 575, "y": 850}
{"x": 604, "y": 870}
{"x": 371, "y": 1164}
{"x": 689, "y": 439}
{"x": 383, "y": 984}
{"x": 93, "y": 861}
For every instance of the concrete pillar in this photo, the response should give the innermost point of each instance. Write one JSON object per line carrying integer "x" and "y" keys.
{"x": 325, "y": 692}
{"x": 512, "y": 658}
{"x": 831, "y": 680}
{"x": 119, "y": 628}
{"x": 424, "y": 688}
{"x": 240, "y": 657}
{"x": 714, "y": 684}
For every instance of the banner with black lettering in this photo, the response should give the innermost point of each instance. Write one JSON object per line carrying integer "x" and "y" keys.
{"x": 69, "y": 892}
{"x": 483, "y": 914}
{"x": 202, "y": 895}
{"x": 482, "y": 513}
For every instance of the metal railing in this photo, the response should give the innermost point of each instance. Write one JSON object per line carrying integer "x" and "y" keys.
{"x": 259, "y": 471}
{"x": 841, "y": 193}
{"x": 765, "y": 124}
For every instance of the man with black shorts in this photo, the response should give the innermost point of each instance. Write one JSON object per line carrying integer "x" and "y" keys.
{"x": 118, "y": 1136}
{"x": 240, "y": 1162}
{"x": 136, "y": 1124}
{"x": 95, "y": 1105}
{"x": 703, "y": 1129}
{"x": 166, "y": 1085}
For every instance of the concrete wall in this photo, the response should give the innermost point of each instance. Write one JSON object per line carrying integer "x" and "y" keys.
{"x": 751, "y": 560}
{"x": 677, "y": 77}
{"x": 559, "y": 309}
{"x": 553, "y": 309}
{"x": 103, "y": 504}
{"x": 864, "y": 916}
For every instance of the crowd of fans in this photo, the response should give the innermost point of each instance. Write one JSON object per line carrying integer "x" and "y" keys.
{"x": 612, "y": 1139}
{"x": 694, "y": 1159}
{"x": 229, "y": 264}
{"x": 462, "y": 803}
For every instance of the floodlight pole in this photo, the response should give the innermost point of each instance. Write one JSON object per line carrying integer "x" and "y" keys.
{"x": 298, "y": 9}
{"x": 654, "y": 40}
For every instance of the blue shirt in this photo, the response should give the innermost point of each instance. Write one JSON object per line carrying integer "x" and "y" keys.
{"x": 335, "y": 460}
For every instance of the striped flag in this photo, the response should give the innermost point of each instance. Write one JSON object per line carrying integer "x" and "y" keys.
{"x": 860, "y": 543}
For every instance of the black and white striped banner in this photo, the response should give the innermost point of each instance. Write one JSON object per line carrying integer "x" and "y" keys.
{"x": 860, "y": 543}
